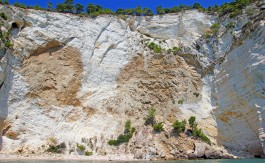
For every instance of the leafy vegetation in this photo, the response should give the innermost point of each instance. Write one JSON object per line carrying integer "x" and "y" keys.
{"x": 197, "y": 132}
{"x": 5, "y": 36}
{"x": 88, "y": 153}
{"x": 81, "y": 147}
{"x": 21, "y": 5}
{"x": 68, "y": 6}
{"x": 158, "y": 127}
{"x": 123, "y": 138}
{"x": 181, "y": 101}
{"x": 150, "y": 119}
{"x": 234, "y": 8}
{"x": 8, "y": 44}
{"x": 176, "y": 49}
{"x": 215, "y": 28}
{"x": 4, "y": 2}
{"x": 179, "y": 127}
{"x": 155, "y": 47}
{"x": 3, "y": 15}
{"x": 56, "y": 148}
{"x": 230, "y": 25}
{"x": 192, "y": 122}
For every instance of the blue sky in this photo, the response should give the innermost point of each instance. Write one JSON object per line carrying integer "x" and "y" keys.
{"x": 115, "y": 4}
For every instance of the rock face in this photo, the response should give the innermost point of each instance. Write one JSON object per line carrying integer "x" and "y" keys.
{"x": 76, "y": 79}
{"x": 240, "y": 93}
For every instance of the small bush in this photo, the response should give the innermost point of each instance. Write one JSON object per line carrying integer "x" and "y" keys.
{"x": 250, "y": 11}
{"x": 88, "y": 153}
{"x": 230, "y": 25}
{"x": 156, "y": 48}
{"x": 123, "y": 138}
{"x": 113, "y": 142}
{"x": 215, "y": 28}
{"x": 7, "y": 35}
{"x": 2, "y": 15}
{"x": 198, "y": 133}
{"x": 249, "y": 23}
{"x": 235, "y": 13}
{"x": 159, "y": 127}
{"x": 150, "y": 120}
{"x": 128, "y": 126}
{"x": 179, "y": 126}
{"x": 56, "y": 148}
{"x": 53, "y": 140}
{"x": 8, "y": 44}
{"x": 176, "y": 49}
{"x": 192, "y": 122}
{"x": 94, "y": 14}
{"x": 181, "y": 101}
{"x": 81, "y": 147}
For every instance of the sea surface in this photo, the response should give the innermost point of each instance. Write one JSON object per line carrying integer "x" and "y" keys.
{"x": 186, "y": 161}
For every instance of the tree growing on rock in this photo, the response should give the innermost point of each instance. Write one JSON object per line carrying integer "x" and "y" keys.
{"x": 69, "y": 6}
{"x": 138, "y": 11}
{"x": 160, "y": 10}
{"x": 197, "y": 132}
{"x": 79, "y": 8}
{"x": 150, "y": 119}
{"x": 158, "y": 127}
{"x": 192, "y": 122}
{"x": 50, "y": 6}
{"x": 179, "y": 127}
{"x": 125, "y": 137}
{"x": 147, "y": 12}
{"x": 91, "y": 8}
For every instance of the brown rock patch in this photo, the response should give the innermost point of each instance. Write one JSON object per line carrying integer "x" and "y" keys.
{"x": 54, "y": 74}
{"x": 226, "y": 116}
{"x": 158, "y": 81}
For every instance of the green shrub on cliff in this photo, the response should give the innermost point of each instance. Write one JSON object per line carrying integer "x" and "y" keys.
{"x": 230, "y": 25}
{"x": 150, "y": 119}
{"x": 8, "y": 44}
{"x": 123, "y": 138}
{"x": 215, "y": 28}
{"x": 158, "y": 127}
{"x": 192, "y": 122}
{"x": 234, "y": 8}
{"x": 21, "y": 5}
{"x": 81, "y": 147}
{"x": 88, "y": 153}
{"x": 4, "y": 2}
{"x": 3, "y": 15}
{"x": 179, "y": 127}
{"x": 56, "y": 148}
{"x": 155, "y": 47}
{"x": 181, "y": 101}
{"x": 198, "y": 133}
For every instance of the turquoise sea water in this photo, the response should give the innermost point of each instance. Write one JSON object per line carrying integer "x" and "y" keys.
{"x": 188, "y": 161}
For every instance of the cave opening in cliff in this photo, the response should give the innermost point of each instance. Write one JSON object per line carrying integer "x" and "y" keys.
{"x": 14, "y": 29}
{"x": 14, "y": 25}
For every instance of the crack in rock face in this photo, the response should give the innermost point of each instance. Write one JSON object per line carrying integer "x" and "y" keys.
{"x": 53, "y": 74}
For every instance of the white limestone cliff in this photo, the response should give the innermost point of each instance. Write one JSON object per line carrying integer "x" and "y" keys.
{"x": 77, "y": 79}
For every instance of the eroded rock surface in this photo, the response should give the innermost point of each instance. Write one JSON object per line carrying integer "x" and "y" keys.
{"x": 77, "y": 79}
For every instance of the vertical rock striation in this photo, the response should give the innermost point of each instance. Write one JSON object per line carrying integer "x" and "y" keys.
{"x": 77, "y": 79}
